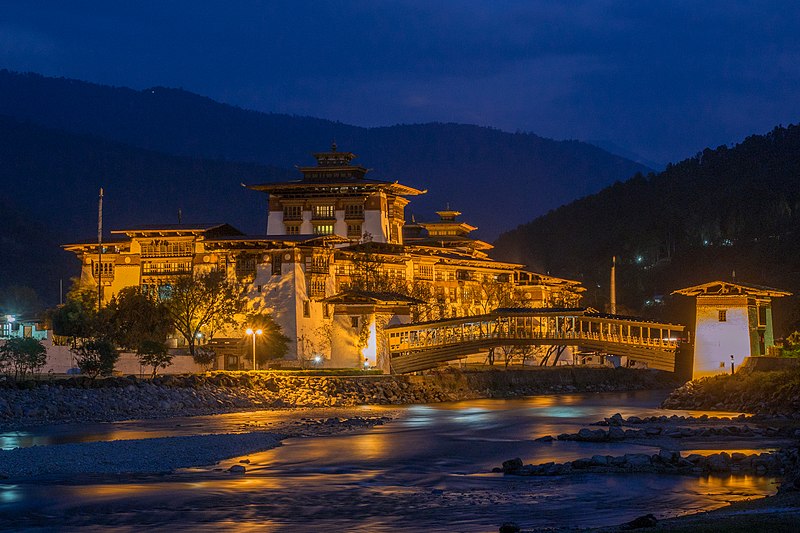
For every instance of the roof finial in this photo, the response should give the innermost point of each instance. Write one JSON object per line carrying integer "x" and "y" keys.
{"x": 448, "y": 206}
{"x": 333, "y": 145}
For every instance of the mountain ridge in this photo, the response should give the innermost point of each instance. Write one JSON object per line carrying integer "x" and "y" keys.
{"x": 457, "y": 163}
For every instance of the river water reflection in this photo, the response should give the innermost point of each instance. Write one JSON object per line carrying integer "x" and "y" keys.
{"x": 427, "y": 471}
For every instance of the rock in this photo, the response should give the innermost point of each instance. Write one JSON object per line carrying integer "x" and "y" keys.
{"x": 245, "y": 461}
{"x": 647, "y": 520}
{"x": 616, "y": 433}
{"x": 510, "y": 527}
{"x": 637, "y": 459}
{"x": 653, "y": 431}
{"x": 546, "y": 438}
{"x": 669, "y": 456}
{"x": 634, "y": 420}
{"x": 512, "y": 465}
{"x": 237, "y": 469}
{"x": 599, "y": 460}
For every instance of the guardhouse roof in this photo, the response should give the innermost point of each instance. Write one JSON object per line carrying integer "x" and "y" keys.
{"x": 727, "y": 288}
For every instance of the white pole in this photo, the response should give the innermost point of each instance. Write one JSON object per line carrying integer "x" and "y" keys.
{"x": 614, "y": 285}
{"x": 100, "y": 251}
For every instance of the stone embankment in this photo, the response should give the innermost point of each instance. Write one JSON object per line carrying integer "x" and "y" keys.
{"x": 83, "y": 399}
{"x": 664, "y": 462}
{"x": 765, "y": 393}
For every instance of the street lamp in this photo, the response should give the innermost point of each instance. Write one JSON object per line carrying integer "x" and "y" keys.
{"x": 253, "y": 334}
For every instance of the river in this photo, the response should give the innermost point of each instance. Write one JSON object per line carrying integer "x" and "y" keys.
{"x": 429, "y": 470}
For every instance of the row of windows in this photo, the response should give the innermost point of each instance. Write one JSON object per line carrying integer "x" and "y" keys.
{"x": 108, "y": 269}
{"x": 353, "y": 230}
{"x": 153, "y": 269}
{"x": 295, "y": 212}
{"x": 167, "y": 249}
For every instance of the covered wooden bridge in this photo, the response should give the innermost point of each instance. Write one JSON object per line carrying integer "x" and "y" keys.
{"x": 421, "y": 346}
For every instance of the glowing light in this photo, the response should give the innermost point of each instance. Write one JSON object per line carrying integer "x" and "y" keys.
{"x": 370, "y": 351}
{"x": 317, "y": 359}
{"x": 10, "y": 318}
{"x": 259, "y": 332}
{"x": 639, "y": 258}
{"x": 199, "y": 335}
{"x": 249, "y": 331}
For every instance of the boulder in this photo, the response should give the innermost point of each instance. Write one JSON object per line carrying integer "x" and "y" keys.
{"x": 637, "y": 459}
{"x": 237, "y": 469}
{"x": 512, "y": 465}
{"x": 616, "y": 433}
{"x": 669, "y": 456}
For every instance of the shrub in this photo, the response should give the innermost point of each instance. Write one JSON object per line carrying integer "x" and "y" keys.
{"x": 154, "y": 354}
{"x": 96, "y": 357}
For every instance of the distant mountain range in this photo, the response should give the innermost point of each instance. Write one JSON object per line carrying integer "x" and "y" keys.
{"x": 725, "y": 213}
{"x": 497, "y": 179}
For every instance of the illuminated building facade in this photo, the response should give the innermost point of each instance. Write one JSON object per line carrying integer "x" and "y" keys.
{"x": 734, "y": 321}
{"x": 333, "y": 267}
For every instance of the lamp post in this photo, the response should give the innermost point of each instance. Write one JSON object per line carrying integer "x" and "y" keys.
{"x": 253, "y": 334}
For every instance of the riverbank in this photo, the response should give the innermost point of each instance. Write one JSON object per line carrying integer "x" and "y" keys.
{"x": 773, "y": 393}
{"x": 84, "y": 400}
{"x": 164, "y": 455}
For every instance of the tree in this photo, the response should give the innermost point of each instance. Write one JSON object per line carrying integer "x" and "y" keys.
{"x": 200, "y": 305}
{"x": 155, "y": 354}
{"x": 134, "y": 317}
{"x": 77, "y": 317}
{"x": 272, "y": 343}
{"x": 23, "y": 355}
{"x": 96, "y": 357}
{"x": 204, "y": 357}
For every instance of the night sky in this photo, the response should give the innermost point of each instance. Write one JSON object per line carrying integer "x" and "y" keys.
{"x": 662, "y": 79}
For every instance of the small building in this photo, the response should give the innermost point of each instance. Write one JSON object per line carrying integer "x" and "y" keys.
{"x": 734, "y": 321}
{"x": 360, "y": 318}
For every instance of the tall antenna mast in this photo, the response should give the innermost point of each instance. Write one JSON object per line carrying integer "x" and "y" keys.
{"x": 100, "y": 251}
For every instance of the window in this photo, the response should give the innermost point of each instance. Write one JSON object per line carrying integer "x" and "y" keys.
{"x": 326, "y": 311}
{"x": 324, "y": 212}
{"x": 245, "y": 266}
{"x": 323, "y": 229}
{"x": 354, "y": 321}
{"x": 306, "y": 308}
{"x": 276, "y": 264}
{"x": 292, "y": 212}
{"x": 354, "y": 230}
{"x": 354, "y": 211}
{"x": 292, "y": 229}
{"x": 723, "y": 315}
{"x": 762, "y": 315}
{"x": 425, "y": 272}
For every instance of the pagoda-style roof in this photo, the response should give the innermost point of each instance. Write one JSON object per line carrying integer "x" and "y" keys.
{"x": 524, "y": 277}
{"x": 356, "y": 297}
{"x": 726, "y": 288}
{"x": 164, "y": 230}
{"x": 277, "y": 240}
{"x": 334, "y": 174}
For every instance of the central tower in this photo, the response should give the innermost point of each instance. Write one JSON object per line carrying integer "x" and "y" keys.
{"x": 336, "y": 198}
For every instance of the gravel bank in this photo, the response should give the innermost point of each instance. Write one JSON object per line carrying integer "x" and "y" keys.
{"x": 161, "y": 454}
{"x": 81, "y": 399}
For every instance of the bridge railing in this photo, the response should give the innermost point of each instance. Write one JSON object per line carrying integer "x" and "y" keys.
{"x": 549, "y": 328}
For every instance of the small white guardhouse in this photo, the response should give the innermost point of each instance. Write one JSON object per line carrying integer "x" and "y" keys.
{"x": 733, "y": 319}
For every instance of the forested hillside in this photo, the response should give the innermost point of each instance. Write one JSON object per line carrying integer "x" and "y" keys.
{"x": 723, "y": 211}
{"x": 497, "y": 179}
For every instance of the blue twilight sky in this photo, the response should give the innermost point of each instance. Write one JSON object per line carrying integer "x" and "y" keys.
{"x": 663, "y": 79}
